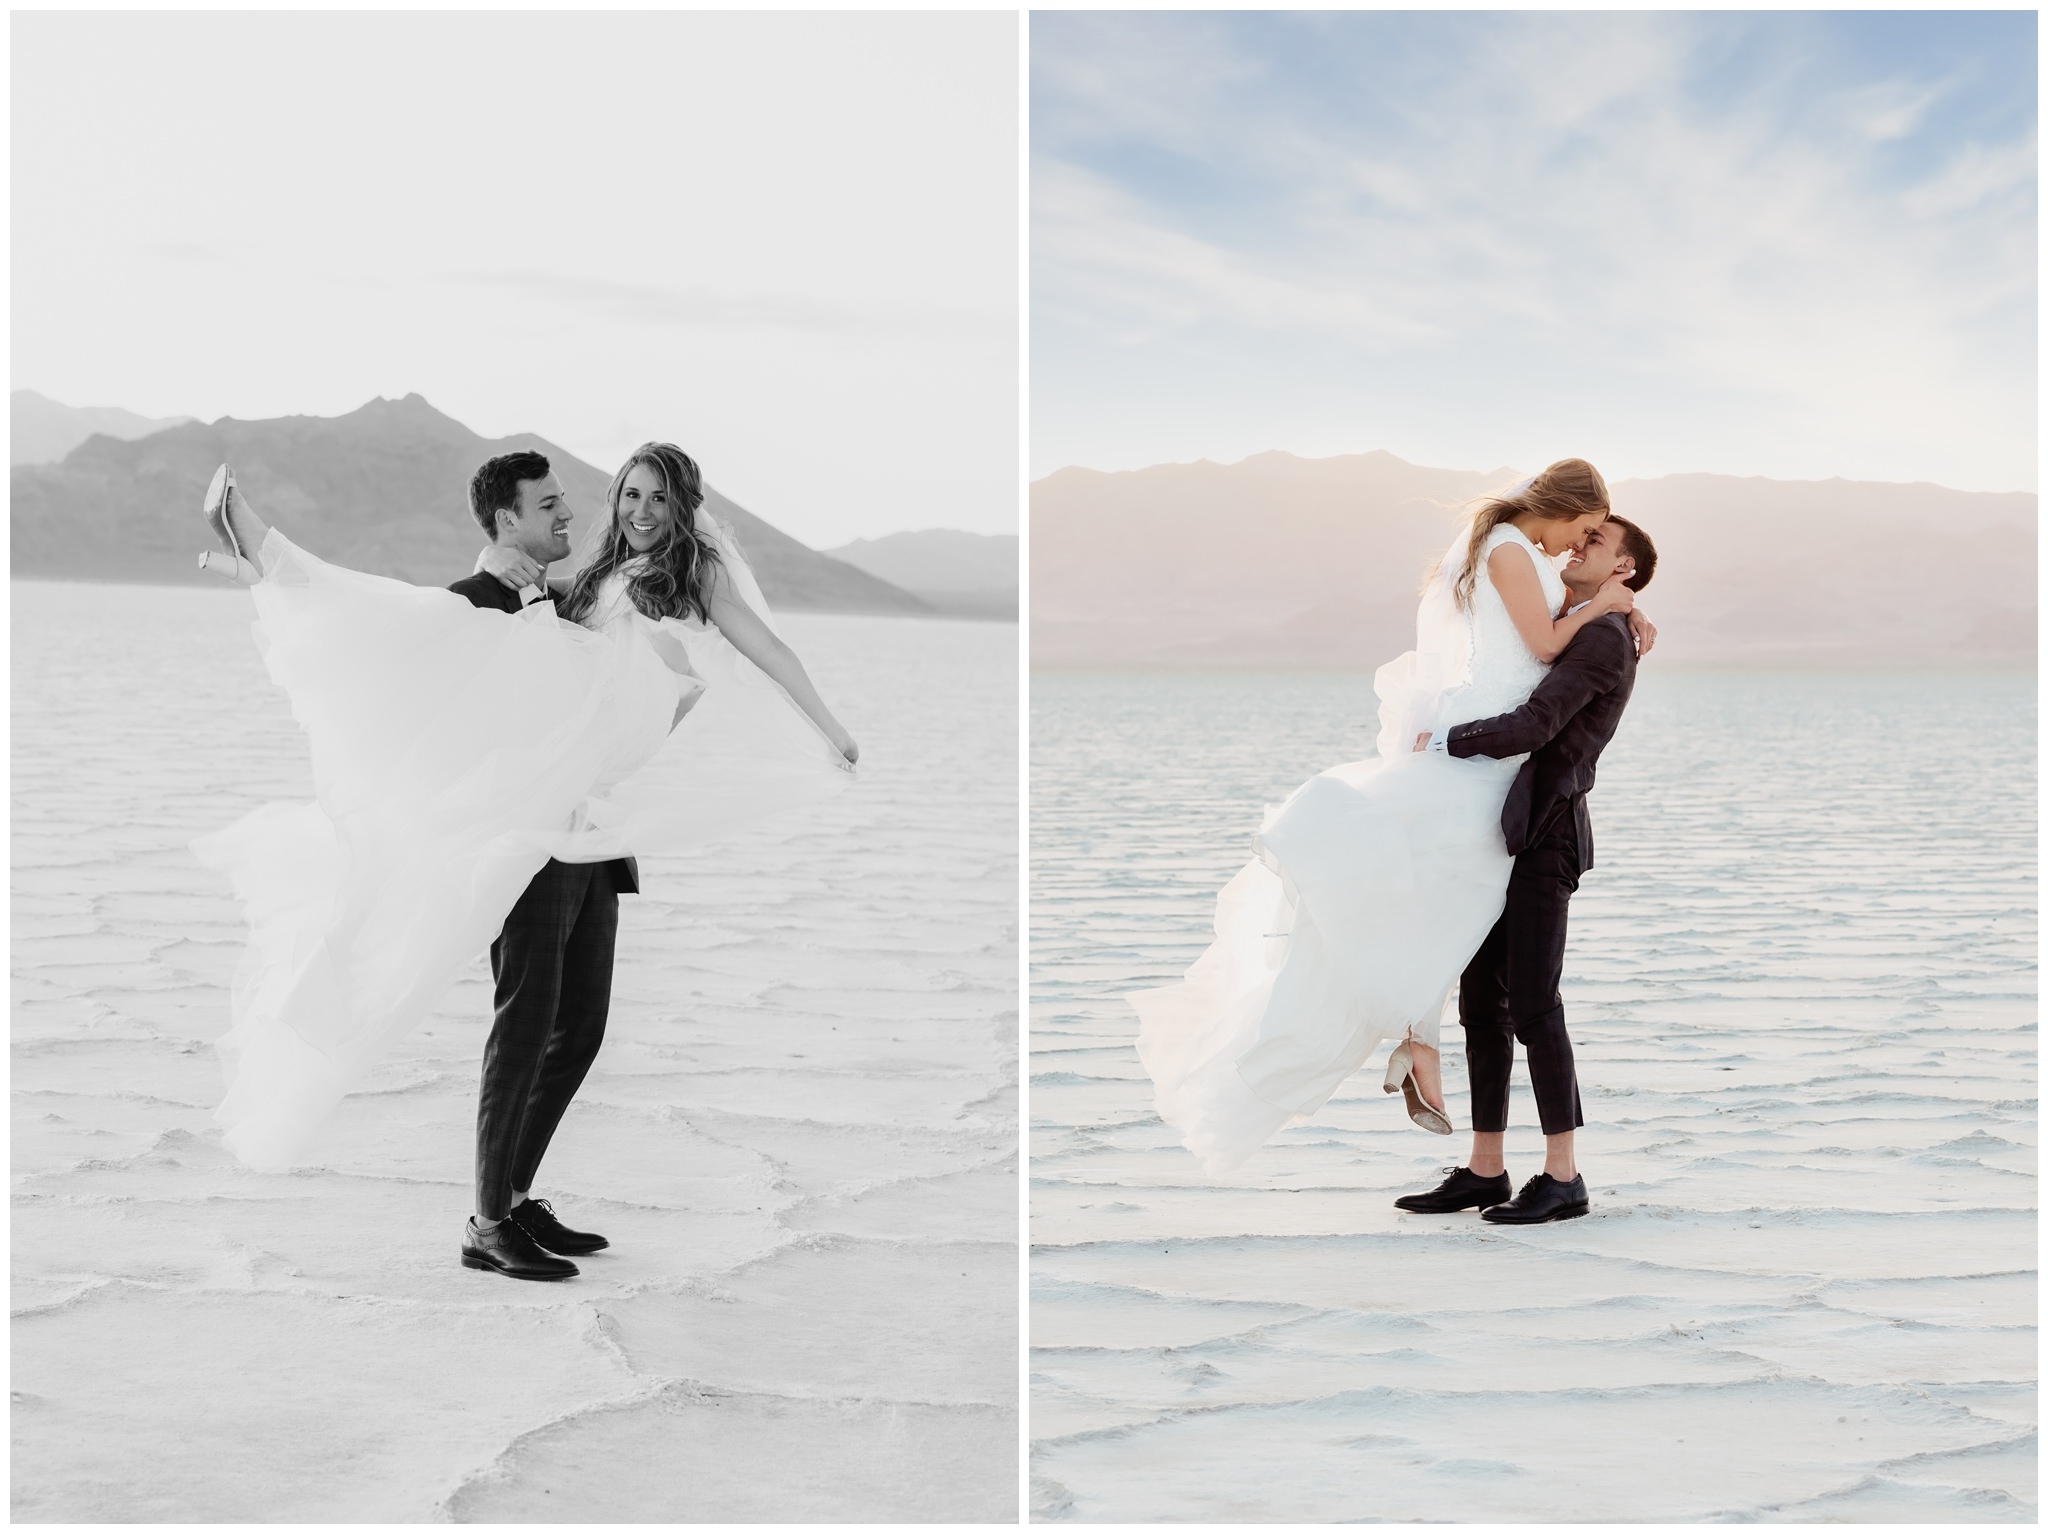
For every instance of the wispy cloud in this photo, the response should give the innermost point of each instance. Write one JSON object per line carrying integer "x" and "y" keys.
{"x": 637, "y": 304}
{"x": 1639, "y": 215}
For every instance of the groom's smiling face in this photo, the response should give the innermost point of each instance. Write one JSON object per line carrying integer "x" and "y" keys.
{"x": 539, "y": 524}
{"x": 1597, "y": 558}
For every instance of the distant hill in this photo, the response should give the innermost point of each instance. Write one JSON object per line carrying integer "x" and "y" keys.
{"x": 40, "y": 430}
{"x": 382, "y": 489}
{"x": 1279, "y": 560}
{"x": 969, "y": 574}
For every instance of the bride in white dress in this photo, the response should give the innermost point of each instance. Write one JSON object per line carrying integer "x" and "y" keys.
{"x": 456, "y": 749}
{"x": 1376, "y": 881}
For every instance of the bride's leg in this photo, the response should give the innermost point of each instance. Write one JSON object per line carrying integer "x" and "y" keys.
{"x": 250, "y": 529}
{"x": 1429, "y": 1071}
{"x": 1425, "y": 1037}
{"x": 240, "y": 530}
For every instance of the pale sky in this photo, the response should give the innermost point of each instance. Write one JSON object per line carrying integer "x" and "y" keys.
{"x": 787, "y": 242}
{"x": 1789, "y": 244}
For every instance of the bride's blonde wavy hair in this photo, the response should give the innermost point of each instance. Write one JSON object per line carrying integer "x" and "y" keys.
{"x": 1569, "y": 488}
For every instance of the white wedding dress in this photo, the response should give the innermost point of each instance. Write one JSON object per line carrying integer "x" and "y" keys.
{"x": 1373, "y": 887}
{"x": 455, "y": 750}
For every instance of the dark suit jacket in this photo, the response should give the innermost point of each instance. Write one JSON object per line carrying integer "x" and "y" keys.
{"x": 488, "y": 591}
{"x": 1565, "y": 725}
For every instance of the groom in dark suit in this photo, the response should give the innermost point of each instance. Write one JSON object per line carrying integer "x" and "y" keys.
{"x": 553, "y": 960}
{"x": 1510, "y": 989}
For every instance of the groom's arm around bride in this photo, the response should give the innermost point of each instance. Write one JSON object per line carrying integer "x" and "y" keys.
{"x": 1562, "y": 729}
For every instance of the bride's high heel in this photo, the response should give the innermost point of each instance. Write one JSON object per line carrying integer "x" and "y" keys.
{"x": 1401, "y": 1078}
{"x": 236, "y": 565}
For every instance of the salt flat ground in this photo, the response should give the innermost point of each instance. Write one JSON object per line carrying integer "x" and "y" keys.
{"x": 800, "y": 1137}
{"x": 1801, "y": 982}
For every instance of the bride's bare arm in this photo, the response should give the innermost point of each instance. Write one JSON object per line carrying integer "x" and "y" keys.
{"x": 1513, "y": 572}
{"x": 745, "y": 631}
{"x": 1645, "y": 631}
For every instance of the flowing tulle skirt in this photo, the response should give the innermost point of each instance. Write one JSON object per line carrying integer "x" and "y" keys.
{"x": 455, "y": 750}
{"x": 1374, "y": 886}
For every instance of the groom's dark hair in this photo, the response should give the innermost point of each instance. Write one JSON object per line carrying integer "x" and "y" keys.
{"x": 1635, "y": 543}
{"x": 496, "y": 485}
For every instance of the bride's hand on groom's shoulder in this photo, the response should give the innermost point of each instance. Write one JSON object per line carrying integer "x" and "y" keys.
{"x": 1644, "y": 630}
{"x": 1613, "y": 597}
{"x": 510, "y": 567}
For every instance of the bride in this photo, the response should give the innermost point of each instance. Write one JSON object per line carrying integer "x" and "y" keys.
{"x": 455, "y": 750}
{"x": 1376, "y": 881}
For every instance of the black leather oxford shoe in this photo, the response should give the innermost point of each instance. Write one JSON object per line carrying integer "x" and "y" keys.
{"x": 1463, "y": 1189}
{"x": 1542, "y": 1199}
{"x": 507, "y": 1249}
{"x": 537, "y": 1218}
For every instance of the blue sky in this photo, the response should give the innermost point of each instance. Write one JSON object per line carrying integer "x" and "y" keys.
{"x": 1791, "y": 244}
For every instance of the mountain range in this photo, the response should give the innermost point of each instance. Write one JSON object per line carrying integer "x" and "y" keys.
{"x": 383, "y": 489}
{"x": 1279, "y": 560}
{"x": 40, "y": 430}
{"x": 966, "y": 574}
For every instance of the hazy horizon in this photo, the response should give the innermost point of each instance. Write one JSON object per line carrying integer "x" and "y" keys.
{"x": 1279, "y": 558}
{"x": 1361, "y": 452}
{"x": 550, "y": 436}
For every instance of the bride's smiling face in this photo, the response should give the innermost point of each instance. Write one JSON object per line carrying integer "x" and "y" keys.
{"x": 644, "y": 512}
{"x": 1561, "y": 537}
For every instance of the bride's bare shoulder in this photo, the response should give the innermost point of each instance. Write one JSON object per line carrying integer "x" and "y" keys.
{"x": 1509, "y": 550}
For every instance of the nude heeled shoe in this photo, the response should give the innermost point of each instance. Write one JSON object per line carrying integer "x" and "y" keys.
{"x": 1401, "y": 1078}
{"x": 234, "y": 564}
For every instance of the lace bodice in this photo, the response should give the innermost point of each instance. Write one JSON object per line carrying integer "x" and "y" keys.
{"x": 1504, "y": 672}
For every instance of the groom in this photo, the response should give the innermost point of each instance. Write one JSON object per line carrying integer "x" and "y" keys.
{"x": 553, "y": 960}
{"x": 1510, "y": 989}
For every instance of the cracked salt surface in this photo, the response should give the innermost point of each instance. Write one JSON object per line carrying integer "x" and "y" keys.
{"x": 800, "y": 1138}
{"x": 1802, "y": 986}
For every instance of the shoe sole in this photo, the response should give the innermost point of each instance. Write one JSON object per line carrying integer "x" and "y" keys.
{"x": 1482, "y": 1204}
{"x": 1456, "y": 1209}
{"x": 491, "y": 1267}
{"x": 1570, "y": 1212}
{"x": 558, "y": 1251}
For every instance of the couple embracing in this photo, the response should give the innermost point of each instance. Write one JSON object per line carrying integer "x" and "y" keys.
{"x": 488, "y": 760}
{"x": 1437, "y": 876}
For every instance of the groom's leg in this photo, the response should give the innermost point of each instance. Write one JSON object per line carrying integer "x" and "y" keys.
{"x": 1489, "y": 1046}
{"x": 1540, "y": 893}
{"x": 527, "y": 961}
{"x": 580, "y": 1012}
{"x": 1489, "y": 1034}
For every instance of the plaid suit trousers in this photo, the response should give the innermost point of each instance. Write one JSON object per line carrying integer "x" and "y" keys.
{"x": 1511, "y": 989}
{"x": 553, "y": 964}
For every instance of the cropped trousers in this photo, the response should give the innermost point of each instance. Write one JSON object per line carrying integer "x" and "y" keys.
{"x": 553, "y": 965}
{"x": 1510, "y": 990}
